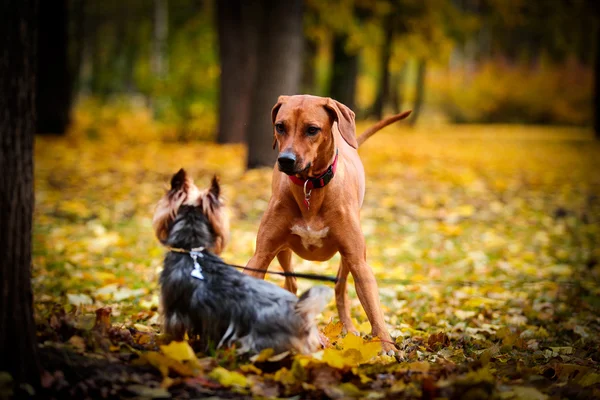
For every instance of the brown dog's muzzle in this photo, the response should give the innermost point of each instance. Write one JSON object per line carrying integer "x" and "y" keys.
{"x": 286, "y": 161}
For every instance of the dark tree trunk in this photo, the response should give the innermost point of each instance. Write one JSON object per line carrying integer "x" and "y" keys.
{"x": 76, "y": 33}
{"x": 159, "y": 43}
{"x": 54, "y": 82}
{"x": 18, "y": 37}
{"x": 420, "y": 91}
{"x": 309, "y": 70}
{"x": 396, "y": 87}
{"x": 342, "y": 86}
{"x": 383, "y": 92}
{"x": 597, "y": 86}
{"x": 279, "y": 72}
{"x": 237, "y": 22}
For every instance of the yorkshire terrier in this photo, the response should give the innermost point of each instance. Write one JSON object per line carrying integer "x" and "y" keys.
{"x": 205, "y": 297}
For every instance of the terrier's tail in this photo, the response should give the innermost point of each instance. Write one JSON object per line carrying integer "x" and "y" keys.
{"x": 380, "y": 125}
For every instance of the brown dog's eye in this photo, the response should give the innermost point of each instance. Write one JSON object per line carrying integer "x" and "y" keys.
{"x": 312, "y": 130}
{"x": 279, "y": 128}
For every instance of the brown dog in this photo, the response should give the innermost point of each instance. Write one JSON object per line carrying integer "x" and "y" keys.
{"x": 318, "y": 190}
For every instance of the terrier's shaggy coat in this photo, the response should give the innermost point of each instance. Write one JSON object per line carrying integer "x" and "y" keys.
{"x": 213, "y": 300}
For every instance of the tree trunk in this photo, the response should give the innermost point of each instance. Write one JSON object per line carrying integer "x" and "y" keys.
{"x": 383, "y": 92}
{"x": 396, "y": 88}
{"x": 237, "y": 23}
{"x": 420, "y": 91}
{"x": 279, "y": 72}
{"x": 54, "y": 83}
{"x": 159, "y": 44}
{"x": 18, "y": 37}
{"x": 342, "y": 86}
{"x": 597, "y": 86}
{"x": 309, "y": 70}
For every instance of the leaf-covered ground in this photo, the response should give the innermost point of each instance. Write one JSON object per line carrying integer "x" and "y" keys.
{"x": 485, "y": 241}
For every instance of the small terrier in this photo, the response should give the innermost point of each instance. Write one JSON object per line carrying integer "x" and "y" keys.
{"x": 202, "y": 295}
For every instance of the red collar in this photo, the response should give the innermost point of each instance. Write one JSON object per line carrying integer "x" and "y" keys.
{"x": 315, "y": 183}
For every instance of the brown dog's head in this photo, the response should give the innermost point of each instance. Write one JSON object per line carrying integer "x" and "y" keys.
{"x": 306, "y": 127}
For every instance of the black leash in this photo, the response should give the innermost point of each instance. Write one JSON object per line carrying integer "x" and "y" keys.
{"x": 516, "y": 281}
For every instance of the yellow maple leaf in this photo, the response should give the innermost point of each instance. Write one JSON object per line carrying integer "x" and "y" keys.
{"x": 367, "y": 349}
{"x": 336, "y": 359}
{"x": 333, "y": 331}
{"x": 179, "y": 351}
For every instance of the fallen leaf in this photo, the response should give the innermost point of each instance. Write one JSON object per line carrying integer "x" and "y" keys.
{"x": 179, "y": 351}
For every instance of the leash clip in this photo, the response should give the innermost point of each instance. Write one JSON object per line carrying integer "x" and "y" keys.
{"x": 307, "y": 195}
{"x": 197, "y": 271}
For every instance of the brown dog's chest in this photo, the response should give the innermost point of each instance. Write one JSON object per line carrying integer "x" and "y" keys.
{"x": 312, "y": 240}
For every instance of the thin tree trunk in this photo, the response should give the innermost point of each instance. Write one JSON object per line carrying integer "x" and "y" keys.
{"x": 76, "y": 39}
{"x": 279, "y": 72}
{"x": 309, "y": 71}
{"x": 159, "y": 44}
{"x": 342, "y": 86}
{"x": 396, "y": 88}
{"x": 237, "y": 23}
{"x": 597, "y": 86}
{"x": 384, "y": 69}
{"x": 420, "y": 91}
{"x": 54, "y": 83}
{"x": 18, "y": 37}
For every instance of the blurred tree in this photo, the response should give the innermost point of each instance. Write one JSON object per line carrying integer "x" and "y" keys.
{"x": 383, "y": 93}
{"x": 597, "y": 85}
{"x": 421, "y": 30}
{"x": 396, "y": 88}
{"x": 161, "y": 26}
{"x": 344, "y": 72}
{"x": 18, "y": 37}
{"x": 279, "y": 72}
{"x": 339, "y": 24}
{"x": 54, "y": 78}
{"x": 420, "y": 91}
{"x": 309, "y": 69}
{"x": 238, "y": 37}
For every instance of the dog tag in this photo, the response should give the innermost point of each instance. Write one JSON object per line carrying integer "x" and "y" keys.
{"x": 197, "y": 271}
{"x": 197, "y": 274}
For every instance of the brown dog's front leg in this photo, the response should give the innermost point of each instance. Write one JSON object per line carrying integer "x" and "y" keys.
{"x": 368, "y": 293}
{"x": 285, "y": 260}
{"x": 342, "y": 301}
{"x": 258, "y": 264}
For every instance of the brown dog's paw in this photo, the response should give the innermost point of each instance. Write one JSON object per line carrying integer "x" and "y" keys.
{"x": 388, "y": 348}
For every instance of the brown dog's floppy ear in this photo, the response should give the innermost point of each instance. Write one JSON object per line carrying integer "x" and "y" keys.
{"x": 274, "y": 111}
{"x": 276, "y": 107}
{"x": 345, "y": 121}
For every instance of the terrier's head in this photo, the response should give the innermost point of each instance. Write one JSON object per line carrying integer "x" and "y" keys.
{"x": 187, "y": 217}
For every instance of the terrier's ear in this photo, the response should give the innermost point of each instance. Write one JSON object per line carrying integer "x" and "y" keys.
{"x": 178, "y": 179}
{"x": 213, "y": 208}
{"x": 215, "y": 188}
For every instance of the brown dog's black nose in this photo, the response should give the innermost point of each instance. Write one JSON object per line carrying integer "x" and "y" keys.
{"x": 286, "y": 162}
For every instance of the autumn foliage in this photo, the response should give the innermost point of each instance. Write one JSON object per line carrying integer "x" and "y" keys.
{"x": 484, "y": 241}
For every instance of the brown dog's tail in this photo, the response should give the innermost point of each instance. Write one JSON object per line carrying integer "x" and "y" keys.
{"x": 380, "y": 125}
